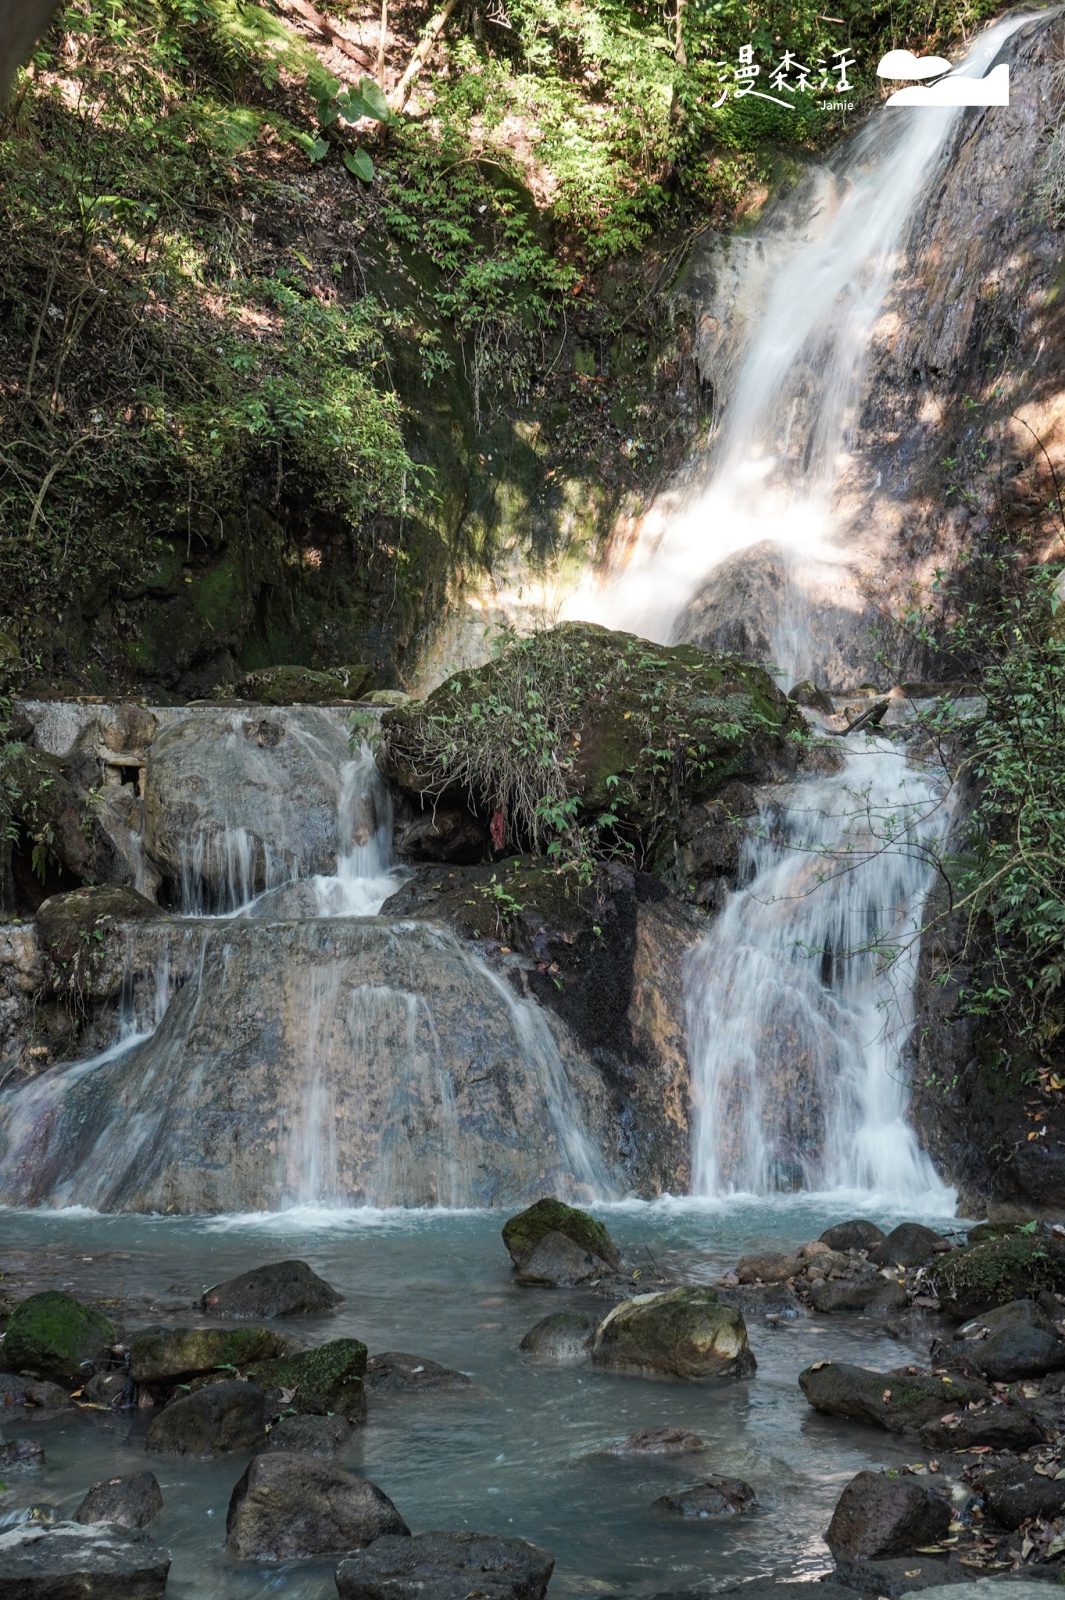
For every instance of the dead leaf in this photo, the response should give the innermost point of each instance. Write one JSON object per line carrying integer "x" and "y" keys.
{"x": 886, "y": 1395}
{"x": 817, "y": 1366}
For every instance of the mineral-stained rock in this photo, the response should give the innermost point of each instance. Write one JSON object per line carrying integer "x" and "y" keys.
{"x": 53, "y": 1336}
{"x": 328, "y": 1378}
{"x": 716, "y": 1497}
{"x": 877, "y": 1515}
{"x": 281, "y": 1289}
{"x": 563, "y": 1336}
{"x": 288, "y": 1505}
{"x": 996, "y": 1271}
{"x": 395, "y": 1372}
{"x": 521, "y": 1234}
{"x": 211, "y": 1421}
{"x": 1012, "y": 1342}
{"x": 909, "y": 1245}
{"x": 65, "y": 1561}
{"x": 162, "y": 1354}
{"x": 856, "y": 1235}
{"x": 310, "y": 1436}
{"x": 686, "y": 1333}
{"x": 446, "y": 1566}
{"x": 659, "y": 1442}
{"x": 555, "y": 1262}
{"x": 132, "y": 1502}
{"x": 899, "y": 1401}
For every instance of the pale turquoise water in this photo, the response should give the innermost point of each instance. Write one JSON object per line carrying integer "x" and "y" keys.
{"x": 522, "y": 1455}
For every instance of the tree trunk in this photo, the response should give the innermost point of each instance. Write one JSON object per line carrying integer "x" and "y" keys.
{"x": 22, "y": 23}
{"x": 435, "y": 27}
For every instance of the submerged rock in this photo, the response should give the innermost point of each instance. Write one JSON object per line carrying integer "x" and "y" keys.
{"x": 394, "y": 1372}
{"x": 446, "y": 1566}
{"x": 557, "y": 1263}
{"x": 659, "y": 1442}
{"x": 716, "y": 1497}
{"x": 770, "y": 1300}
{"x": 685, "y": 1333}
{"x": 563, "y": 1336}
{"x": 288, "y": 1505}
{"x": 282, "y": 1289}
{"x": 899, "y": 1401}
{"x": 521, "y": 1234}
{"x": 211, "y": 1421}
{"x": 53, "y": 1336}
{"x": 159, "y": 1354}
{"x": 326, "y": 1379}
{"x": 909, "y": 1245}
{"x": 312, "y": 1435}
{"x": 1014, "y": 1341}
{"x": 21, "y": 1455}
{"x": 998, "y": 1271}
{"x": 17, "y": 1392}
{"x": 131, "y": 1502}
{"x": 65, "y": 1561}
{"x": 881, "y": 1516}
{"x": 856, "y": 1235}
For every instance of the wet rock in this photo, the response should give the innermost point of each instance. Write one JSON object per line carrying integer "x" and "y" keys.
{"x": 112, "y": 1389}
{"x": 856, "y": 1235}
{"x": 521, "y": 1234}
{"x": 19, "y": 1395}
{"x": 288, "y": 1505}
{"x": 1006, "y": 1426}
{"x": 715, "y": 1497}
{"x": 65, "y": 1561}
{"x": 872, "y": 1293}
{"x": 899, "y": 1401}
{"x": 131, "y": 1502}
{"x": 1016, "y": 1492}
{"x": 443, "y": 833}
{"x": 909, "y": 1245}
{"x": 557, "y": 1263}
{"x": 282, "y": 1289}
{"x": 53, "y": 1336}
{"x": 394, "y": 1372}
{"x": 301, "y": 686}
{"x": 998, "y": 1271}
{"x": 312, "y": 1436}
{"x": 659, "y": 1442}
{"x": 20, "y": 1455}
{"x": 160, "y": 1354}
{"x": 769, "y": 1267}
{"x": 564, "y": 1336}
{"x": 686, "y": 1333}
{"x": 446, "y": 1566}
{"x": 877, "y": 1515}
{"x": 941, "y": 1576}
{"x": 211, "y": 1421}
{"x": 1012, "y": 1342}
{"x": 809, "y": 695}
{"x": 771, "y": 1300}
{"x": 326, "y": 1379}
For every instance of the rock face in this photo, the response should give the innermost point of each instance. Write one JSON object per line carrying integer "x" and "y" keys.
{"x": 898, "y": 1401}
{"x": 68, "y": 1562}
{"x": 997, "y": 1271}
{"x": 210, "y": 1422}
{"x": 130, "y": 1502}
{"x": 716, "y": 1497}
{"x": 282, "y": 1289}
{"x": 1014, "y": 1341}
{"x": 521, "y": 1234}
{"x": 289, "y": 1505}
{"x": 447, "y": 1566}
{"x": 395, "y": 1372}
{"x": 168, "y": 1354}
{"x": 54, "y": 1336}
{"x": 881, "y": 1516}
{"x": 685, "y": 1333}
{"x": 564, "y": 1336}
{"x": 317, "y": 1382}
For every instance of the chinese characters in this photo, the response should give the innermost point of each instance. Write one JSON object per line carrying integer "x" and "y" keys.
{"x": 790, "y": 77}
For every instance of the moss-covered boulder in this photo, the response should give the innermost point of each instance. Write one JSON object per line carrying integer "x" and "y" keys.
{"x": 317, "y": 1382}
{"x": 159, "y": 1355}
{"x": 900, "y": 1401}
{"x": 302, "y": 686}
{"x": 995, "y": 1271}
{"x": 54, "y": 1336}
{"x": 521, "y": 1234}
{"x": 582, "y": 723}
{"x": 685, "y": 1333}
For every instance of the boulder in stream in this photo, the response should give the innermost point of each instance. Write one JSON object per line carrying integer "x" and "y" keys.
{"x": 522, "y": 1233}
{"x": 715, "y": 1497}
{"x": 870, "y": 1292}
{"x": 313, "y": 1435}
{"x": 900, "y": 1401}
{"x": 1003, "y": 1426}
{"x": 53, "y": 1336}
{"x": 556, "y": 1262}
{"x": 1016, "y": 1492}
{"x": 877, "y": 1515}
{"x": 447, "y": 1566}
{"x": 159, "y": 1355}
{"x": 395, "y": 1372}
{"x": 770, "y": 1266}
{"x": 659, "y": 1442}
{"x": 211, "y": 1421}
{"x": 17, "y": 1393}
{"x": 1015, "y": 1341}
{"x": 911, "y": 1244}
{"x": 20, "y": 1455}
{"x": 564, "y": 1336}
{"x": 684, "y": 1333}
{"x": 859, "y": 1234}
{"x": 996, "y": 1271}
{"x": 65, "y": 1561}
{"x": 131, "y": 1502}
{"x": 281, "y": 1289}
{"x": 289, "y": 1505}
{"x": 326, "y": 1379}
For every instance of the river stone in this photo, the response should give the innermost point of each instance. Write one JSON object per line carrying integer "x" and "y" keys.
{"x": 1007, "y": 1426}
{"x": 328, "y": 1378}
{"x": 20, "y": 1455}
{"x": 1012, "y": 1342}
{"x": 288, "y": 1505}
{"x": 659, "y": 1442}
{"x": 773, "y": 1300}
{"x": 394, "y": 1372}
{"x": 878, "y": 1515}
{"x": 446, "y": 1566}
{"x": 312, "y": 1436}
{"x": 157, "y": 1354}
{"x": 769, "y": 1267}
{"x": 557, "y": 1263}
{"x": 282, "y": 1289}
{"x": 65, "y": 1561}
{"x": 715, "y": 1497}
{"x": 1016, "y": 1492}
{"x": 18, "y": 1394}
{"x": 871, "y": 1293}
{"x": 997, "y": 1271}
{"x": 521, "y": 1234}
{"x": 132, "y": 1502}
{"x": 111, "y": 1389}
{"x": 909, "y": 1245}
{"x": 563, "y": 1336}
{"x": 686, "y": 1333}
{"x": 899, "y": 1401}
{"x": 211, "y": 1421}
{"x": 53, "y": 1336}
{"x": 856, "y": 1235}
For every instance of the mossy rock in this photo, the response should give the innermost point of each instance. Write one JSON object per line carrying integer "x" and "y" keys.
{"x": 994, "y": 1272}
{"x": 69, "y": 919}
{"x": 301, "y": 686}
{"x": 684, "y": 1333}
{"x": 319, "y": 1382}
{"x": 53, "y": 1336}
{"x": 521, "y": 1234}
{"x": 161, "y": 1354}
